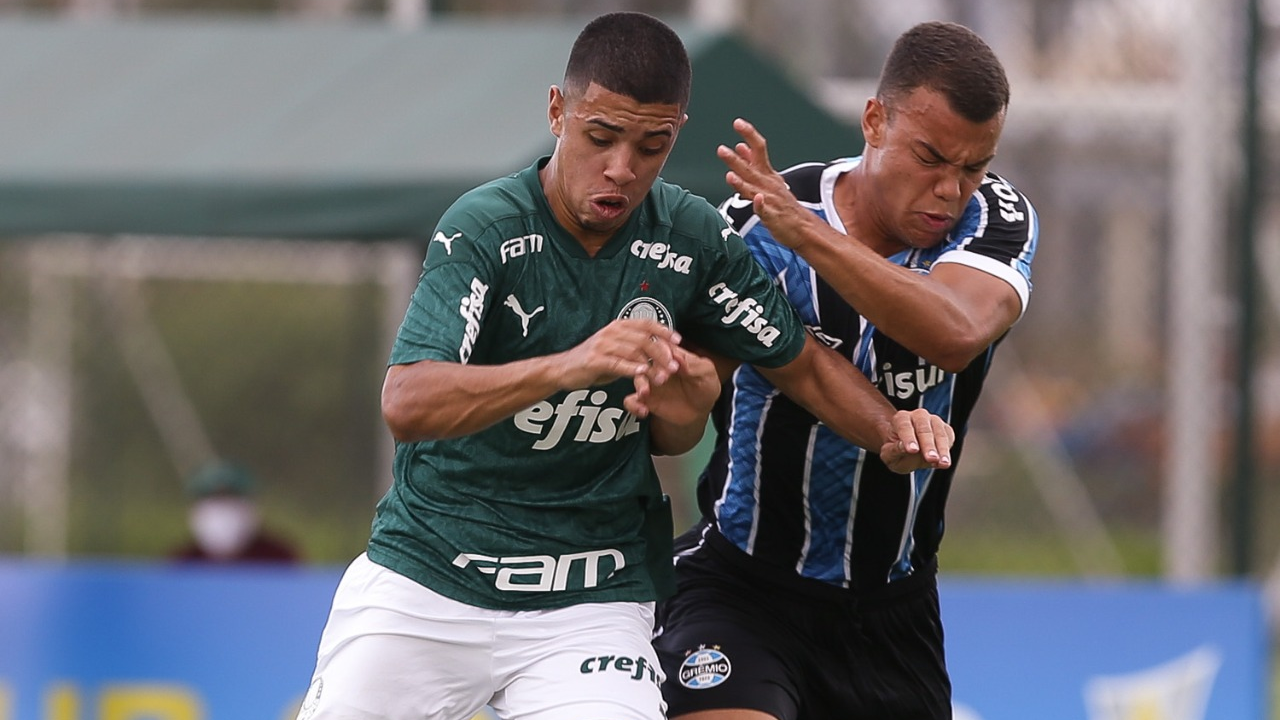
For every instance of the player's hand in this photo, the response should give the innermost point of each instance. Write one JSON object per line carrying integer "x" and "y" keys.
{"x": 918, "y": 439}
{"x": 686, "y": 397}
{"x": 754, "y": 178}
{"x": 623, "y": 348}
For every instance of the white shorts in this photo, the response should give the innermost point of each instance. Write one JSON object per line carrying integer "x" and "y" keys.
{"x": 395, "y": 650}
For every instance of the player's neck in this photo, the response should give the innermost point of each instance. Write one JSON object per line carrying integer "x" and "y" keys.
{"x": 860, "y": 222}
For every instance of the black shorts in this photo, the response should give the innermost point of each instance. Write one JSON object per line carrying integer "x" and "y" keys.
{"x": 729, "y": 640}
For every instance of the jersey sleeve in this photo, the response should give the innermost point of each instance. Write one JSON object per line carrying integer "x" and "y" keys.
{"x": 453, "y": 296}
{"x": 784, "y": 266}
{"x": 741, "y": 313}
{"x": 998, "y": 234}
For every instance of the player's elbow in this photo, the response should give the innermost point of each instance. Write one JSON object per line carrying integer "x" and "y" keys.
{"x": 403, "y": 415}
{"x": 954, "y": 362}
{"x": 956, "y": 352}
{"x": 405, "y": 425}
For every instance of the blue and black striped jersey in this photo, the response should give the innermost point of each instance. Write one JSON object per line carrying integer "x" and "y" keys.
{"x": 786, "y": 489}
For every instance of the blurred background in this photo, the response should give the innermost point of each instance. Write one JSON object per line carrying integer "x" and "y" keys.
{"x": 167, "y": 299}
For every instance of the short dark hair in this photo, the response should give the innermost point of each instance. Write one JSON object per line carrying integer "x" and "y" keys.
{"x": 952, "y": 60}
{"x": 631, "y": 54}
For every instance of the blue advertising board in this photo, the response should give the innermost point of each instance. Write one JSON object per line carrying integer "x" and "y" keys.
{"x": 105, "y": 641}
{"x": 1105, "y": 650}
{"x": 132, "y": 642}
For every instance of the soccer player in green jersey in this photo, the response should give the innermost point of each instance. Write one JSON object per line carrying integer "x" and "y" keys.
{"x": 516, "y": 559}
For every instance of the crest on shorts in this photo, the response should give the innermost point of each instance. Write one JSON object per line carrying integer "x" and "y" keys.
{"x": 646, "y": 308}
{"x": 704, "y": 668}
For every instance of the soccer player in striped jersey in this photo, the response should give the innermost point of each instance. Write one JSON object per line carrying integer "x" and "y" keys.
{"x": 808, "y": 591}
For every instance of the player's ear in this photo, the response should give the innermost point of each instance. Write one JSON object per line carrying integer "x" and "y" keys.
{"x": 556, "y": 110}
{"x": 875, "y": 116}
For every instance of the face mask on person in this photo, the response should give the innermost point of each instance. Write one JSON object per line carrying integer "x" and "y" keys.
{"x": 223, "y": 526}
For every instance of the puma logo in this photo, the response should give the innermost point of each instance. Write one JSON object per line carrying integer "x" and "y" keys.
{"x": 525, "y": 317}
{"x": 448, "y": 241}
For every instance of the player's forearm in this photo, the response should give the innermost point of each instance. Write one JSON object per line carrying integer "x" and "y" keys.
{"x": 922, "y": 315}
{"x": 837, "y": 394}
{"x": 667, "y": 438}
{"x": 432, "y": 400}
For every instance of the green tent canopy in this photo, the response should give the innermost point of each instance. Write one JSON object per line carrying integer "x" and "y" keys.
{"x": 286, "y": 129}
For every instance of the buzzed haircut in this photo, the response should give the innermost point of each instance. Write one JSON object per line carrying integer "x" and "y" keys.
{"x": 631, "y": 54}
{"x": 952, "y": 60}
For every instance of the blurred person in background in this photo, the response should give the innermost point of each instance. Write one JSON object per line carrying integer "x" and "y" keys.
{"x": 516, "y": 559}
{"x": 809, "y": 588}
{"x": 225, "y": 520}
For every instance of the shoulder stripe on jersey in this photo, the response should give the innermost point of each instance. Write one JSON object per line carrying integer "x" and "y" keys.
{"x": 991, "y": 266}
{"x": 1007, "y": 228}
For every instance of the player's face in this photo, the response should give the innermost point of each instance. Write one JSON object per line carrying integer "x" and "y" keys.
{"x": 609, "y": 151}
{"x": 926, "y": 161}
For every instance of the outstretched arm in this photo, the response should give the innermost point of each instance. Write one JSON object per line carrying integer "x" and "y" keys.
{"x": 430, "y": 400}
{"x": 841, "y": 397}
{"x": 948, "y": 316}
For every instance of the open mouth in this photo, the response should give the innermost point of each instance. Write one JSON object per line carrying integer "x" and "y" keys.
{"x": 610, "y": 207}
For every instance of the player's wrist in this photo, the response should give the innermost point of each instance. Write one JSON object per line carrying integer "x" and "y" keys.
{"x": 884, "y": 431}
{"x": 794, "y": 227}
{"x": 810, "y": 230}
{"x": 553, "y": 373}
{"x": 709, "y": 394}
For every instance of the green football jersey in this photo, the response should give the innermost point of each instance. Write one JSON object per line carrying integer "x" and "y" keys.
{"x": 560, "y": 504}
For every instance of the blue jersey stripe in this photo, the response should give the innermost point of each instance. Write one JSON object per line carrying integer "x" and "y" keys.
{"x": 831, "y": 504}
{"x": 739, "y": 504}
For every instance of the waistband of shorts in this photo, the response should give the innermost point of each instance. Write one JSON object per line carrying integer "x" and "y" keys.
{"x": 921, "y": 580}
